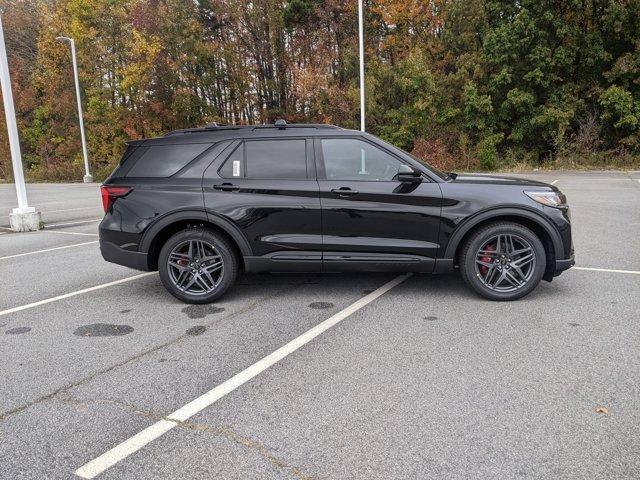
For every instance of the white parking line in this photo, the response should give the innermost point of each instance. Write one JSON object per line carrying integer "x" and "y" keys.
{"x": 47, "y": 250}
{"x": 554, "y": 182}
{"x": 57, "y": 202}
{"x": 73, "y": 294}
{"x": 49, "y": 225}
{"x": 133, "y": 444}
{"x": 71, "y": 233}
{"x": 630, "y": 272}
{"x": 97, "y": 207}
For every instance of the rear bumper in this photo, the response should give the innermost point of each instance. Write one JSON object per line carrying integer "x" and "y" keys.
{"x": 114, "y": 254}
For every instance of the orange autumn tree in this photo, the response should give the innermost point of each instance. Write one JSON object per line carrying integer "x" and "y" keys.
{"x": 466, "y": 83}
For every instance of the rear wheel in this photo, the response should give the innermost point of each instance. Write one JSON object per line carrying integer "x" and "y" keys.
{"x": 503, "y": 261}
{"x": 197, "y": 265}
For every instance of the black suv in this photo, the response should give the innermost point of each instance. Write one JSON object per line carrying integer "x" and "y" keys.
{"x": 201, "y": 205}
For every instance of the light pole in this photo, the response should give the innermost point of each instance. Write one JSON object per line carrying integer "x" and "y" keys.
{"x": 24, "y": 218}
{"x": 87, "y": 176}
{"x": 361, "y": 42}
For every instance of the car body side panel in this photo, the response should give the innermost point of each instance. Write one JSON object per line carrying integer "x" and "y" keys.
{"x": 149, "y": 201}
{"x": 464, "y": 205}
{"x": 281, "y": 221}
{"x": 196, "y": 216}
{"x": 152, "y": 199}
{"x": 380, "y": 218}
{"x": 389, "y": 219}
{"x": 273, "y": 215}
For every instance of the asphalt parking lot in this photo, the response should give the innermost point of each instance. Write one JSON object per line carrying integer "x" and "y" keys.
{"x": 373, "y": 376}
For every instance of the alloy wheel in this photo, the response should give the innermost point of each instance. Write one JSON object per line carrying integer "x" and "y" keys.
{"x": 195, "y": 267}
{"x": 505, "y": 263}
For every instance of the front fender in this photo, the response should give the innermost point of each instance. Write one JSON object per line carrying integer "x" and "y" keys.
{"x": 530, "y": 214}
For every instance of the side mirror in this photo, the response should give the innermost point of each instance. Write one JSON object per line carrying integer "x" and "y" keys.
{"x": 406, "y": 174}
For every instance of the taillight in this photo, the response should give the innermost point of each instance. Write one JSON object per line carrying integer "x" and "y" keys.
{"x": 109, "y": 195}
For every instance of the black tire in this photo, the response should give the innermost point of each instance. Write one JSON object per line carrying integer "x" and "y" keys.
{"x": 477, "y": 274}
{"x": 211, "y": 244}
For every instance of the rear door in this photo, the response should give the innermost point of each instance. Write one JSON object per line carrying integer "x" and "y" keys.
{"x": 370, "y": 220}
{"x": 268, "y": 189}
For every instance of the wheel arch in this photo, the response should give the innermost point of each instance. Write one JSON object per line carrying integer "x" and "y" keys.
{"x": 542, "y": 227}
{"x": 162, "y": 229}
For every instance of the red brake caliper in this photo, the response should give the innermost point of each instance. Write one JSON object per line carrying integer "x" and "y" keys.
{"x": 483, "y": 268}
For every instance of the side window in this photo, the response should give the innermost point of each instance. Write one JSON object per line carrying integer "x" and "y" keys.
{"x": 234, "y": 165}
{"x": 276, "y": 159}
{"x": 164, "y": 160}
{"x": 267, "y": 159}
{"x": 353, "y": 159}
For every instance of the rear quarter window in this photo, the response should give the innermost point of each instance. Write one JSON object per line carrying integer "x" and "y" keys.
{"x": 165, "y": 160}
{"x": 234, "y": 165}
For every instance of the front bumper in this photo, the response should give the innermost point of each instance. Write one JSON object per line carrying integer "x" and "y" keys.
{"x": 113, "y": 253}
{"x": 565, "y": 264}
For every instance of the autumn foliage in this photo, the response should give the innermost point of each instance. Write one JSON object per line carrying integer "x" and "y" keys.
{"x": 464, "y": 84}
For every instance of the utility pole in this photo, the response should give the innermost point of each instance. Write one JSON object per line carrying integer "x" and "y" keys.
{"x": 87, "y": 176}
{"x": 24, "y": 218}
{"x": 361, "y": 41}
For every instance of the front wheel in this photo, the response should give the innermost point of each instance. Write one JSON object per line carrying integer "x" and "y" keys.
{"x": 197, "y": 265}
{"x": 503, "y": 261}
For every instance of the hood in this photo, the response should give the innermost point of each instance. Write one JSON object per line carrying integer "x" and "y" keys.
{"x": 498, "y": 180}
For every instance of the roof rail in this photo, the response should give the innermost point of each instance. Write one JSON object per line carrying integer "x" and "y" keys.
{"x": 280, "y": 124}
{"x": 283, "y": 125}
{"x": 211, "y": 127}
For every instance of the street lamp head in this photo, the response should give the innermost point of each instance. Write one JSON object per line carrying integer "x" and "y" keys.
{"x": 63, "y": 39}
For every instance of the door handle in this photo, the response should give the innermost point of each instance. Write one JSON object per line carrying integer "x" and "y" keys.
{"x": 227, "y": 187}
{"x": 344, "y": 191}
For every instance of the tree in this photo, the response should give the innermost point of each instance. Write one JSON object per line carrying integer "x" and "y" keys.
{"x": 463, "y": 83}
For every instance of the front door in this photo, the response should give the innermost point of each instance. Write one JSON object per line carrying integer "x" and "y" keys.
{"x": 268, "y": 189}
{"x": 370, "y": 220}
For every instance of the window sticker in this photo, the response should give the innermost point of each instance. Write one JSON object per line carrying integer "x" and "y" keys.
{"x": 236, "y": 168}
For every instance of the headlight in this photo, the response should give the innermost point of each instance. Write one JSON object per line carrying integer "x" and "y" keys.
{"x": 550, "y": 199}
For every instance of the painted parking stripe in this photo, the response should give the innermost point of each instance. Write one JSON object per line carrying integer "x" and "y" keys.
{"x": 49, "y": 225}
{"x": 97, "y": 207}
{"x": 73, "y": 294}
{"x": 589, "y": 269}
{"x": 47, "y": 250}
{"x": 121, "y": 451}
{"x": 57, "y": 202}
{"x": 72, "y": 233}
{"x": 554, "y": 182}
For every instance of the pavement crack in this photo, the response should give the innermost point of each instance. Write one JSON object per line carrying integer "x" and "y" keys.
{"x": 65, "y": 397}
{"x": 228, "y": 433}
{"x": 245, "y": 442}
{"x": 4, "y": 415}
